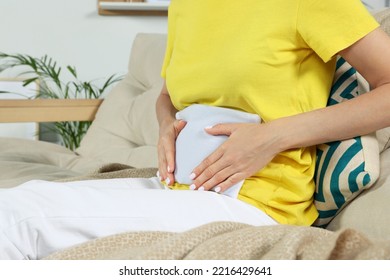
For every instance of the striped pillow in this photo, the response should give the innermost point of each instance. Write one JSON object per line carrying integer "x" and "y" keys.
{"x": 344, "y": 168}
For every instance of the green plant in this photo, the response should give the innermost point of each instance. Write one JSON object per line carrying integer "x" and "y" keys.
{"x": 48, "y": 74}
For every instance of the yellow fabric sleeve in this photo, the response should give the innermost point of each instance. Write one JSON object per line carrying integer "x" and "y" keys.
{"x": 170, "y": 37}
{"x": 327, "y": 35}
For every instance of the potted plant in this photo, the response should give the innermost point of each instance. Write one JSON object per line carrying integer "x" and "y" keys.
{"x": 46, "y": 72}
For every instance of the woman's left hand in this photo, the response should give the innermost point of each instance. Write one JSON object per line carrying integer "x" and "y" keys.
{"x": 248, "y": 149}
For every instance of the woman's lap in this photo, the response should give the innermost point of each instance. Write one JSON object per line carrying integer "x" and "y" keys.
{"x": 39, "y": 217}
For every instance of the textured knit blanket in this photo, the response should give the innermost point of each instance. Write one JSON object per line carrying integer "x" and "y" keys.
{"x": 223, "y": 240}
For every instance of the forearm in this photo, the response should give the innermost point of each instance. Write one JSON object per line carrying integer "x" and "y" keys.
{"x": 164, "y": 108}
{"x": 358, "y": 116}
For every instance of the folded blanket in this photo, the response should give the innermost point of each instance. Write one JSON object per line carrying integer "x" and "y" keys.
{"x": 228, "y": 240}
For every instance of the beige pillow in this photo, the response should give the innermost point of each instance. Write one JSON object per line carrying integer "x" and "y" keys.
{"x": 383, "y": 135}
{"x": 368, "y": 213}
{"x": 383, "y": 18}
{"x": 125, "y": 129}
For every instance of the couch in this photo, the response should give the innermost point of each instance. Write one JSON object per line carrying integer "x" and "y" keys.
{"x": 122, "y": 142}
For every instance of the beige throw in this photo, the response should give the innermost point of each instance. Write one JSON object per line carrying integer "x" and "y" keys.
{"x": 227, "y": 240}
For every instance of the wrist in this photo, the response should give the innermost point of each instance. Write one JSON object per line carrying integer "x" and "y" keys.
{"x": 165, "y": 111}
{"x": 166, "y": 122}
{"x": 283, "y": 135}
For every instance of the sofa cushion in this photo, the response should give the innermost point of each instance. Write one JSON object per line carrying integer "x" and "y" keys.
{"x": 344, "y": 168}
{"x": 369, "y": 212}
{"x": 383, "y": 18}
{"x": 383, "y": 135}
{"x": 125, "y": 129}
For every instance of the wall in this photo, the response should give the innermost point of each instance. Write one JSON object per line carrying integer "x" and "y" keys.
{"x": 376, "y": 4}
{"x": 73, "y": 33}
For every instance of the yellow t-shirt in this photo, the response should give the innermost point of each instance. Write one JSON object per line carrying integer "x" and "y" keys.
{"x": 274, "y": 58}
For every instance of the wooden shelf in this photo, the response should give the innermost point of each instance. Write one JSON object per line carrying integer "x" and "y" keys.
{"x": 48, "y": 110}
{"x": 133, "y": 8}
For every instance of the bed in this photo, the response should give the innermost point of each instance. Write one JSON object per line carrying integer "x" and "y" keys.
{"x": 122, "y": 143}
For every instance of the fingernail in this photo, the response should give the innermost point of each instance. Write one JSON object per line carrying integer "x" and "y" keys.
{"x": 167, "y": 181}
{"x": 169, "y": 169}
{"x": 208, "y": 127}
{"x": 192, "y": 187}
{"x": 158, "y": 175}
{"x": 217, "y": 189}
{"x": 192, "y": 176}
{"x": 201, "y": 189}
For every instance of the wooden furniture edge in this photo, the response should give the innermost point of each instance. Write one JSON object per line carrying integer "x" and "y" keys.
{"x": 128, "y": 12}
{"x": 103, "y": 12}
{"x": 48, "y": 110}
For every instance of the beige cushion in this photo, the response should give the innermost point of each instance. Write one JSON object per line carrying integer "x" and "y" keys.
{"x": 383, "y": 135}
{"x": 23, "y": 160}
{"x": 125, "y": 129}
{"x": 369, "y": 213}
{"x": 383, "y": 18}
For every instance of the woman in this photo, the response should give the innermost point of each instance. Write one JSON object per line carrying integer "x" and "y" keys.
{"x": 274, "y": 59}
{"x": 279, "y": 66}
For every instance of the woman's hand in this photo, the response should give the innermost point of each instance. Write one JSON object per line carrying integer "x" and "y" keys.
{"x": 169, "y": 130}
{"x": 248, "y": 149}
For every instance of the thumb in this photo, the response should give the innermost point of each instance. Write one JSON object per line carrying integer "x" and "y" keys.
{"x": 179, "y": 125}
{"x": 221, "y": 129}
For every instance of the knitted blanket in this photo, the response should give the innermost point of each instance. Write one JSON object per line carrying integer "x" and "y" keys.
{"x": 235, "y": 241}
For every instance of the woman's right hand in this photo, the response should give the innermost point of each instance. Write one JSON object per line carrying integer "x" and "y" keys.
{"x": 169, "y": 130}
